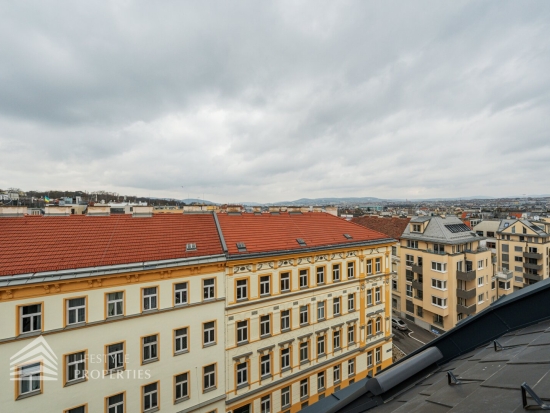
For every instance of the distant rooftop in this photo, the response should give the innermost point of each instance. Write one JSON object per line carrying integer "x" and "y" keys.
{"x": 392, "y": 227}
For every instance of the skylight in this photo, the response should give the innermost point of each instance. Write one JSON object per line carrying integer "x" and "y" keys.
{"x": 454, "y": 228}
{"x": 301, "y": 242}
{"x": 348, "y": 236}
{"x": 191, "y": 246}
{"x": 241, "y": 246}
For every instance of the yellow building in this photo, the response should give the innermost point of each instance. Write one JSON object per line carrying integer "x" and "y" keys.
{"x": 445, "y": 273}
{"x": 307, "y": 308}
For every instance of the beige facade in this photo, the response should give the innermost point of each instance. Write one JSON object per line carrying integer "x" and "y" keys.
{"x": 445, "y": 274}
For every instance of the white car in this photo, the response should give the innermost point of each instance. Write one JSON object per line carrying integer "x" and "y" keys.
{"x": 398, "y": 324}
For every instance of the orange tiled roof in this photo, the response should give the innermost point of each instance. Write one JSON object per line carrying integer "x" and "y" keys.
{"x": 270, "y": 233}
{"x": 39, "y": 243}
{"x": 393, "y": 227}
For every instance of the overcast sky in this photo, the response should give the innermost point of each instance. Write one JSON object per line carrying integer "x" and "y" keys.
{"x": 272, "y": 101}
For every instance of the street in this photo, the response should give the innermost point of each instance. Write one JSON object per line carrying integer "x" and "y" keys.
{"x": 416, "y": 337}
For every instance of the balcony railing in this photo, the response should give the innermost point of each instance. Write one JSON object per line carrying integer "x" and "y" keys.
{"x": 460, "y": 293}
{"x": 534, "y": 255}
{"x": 534, "y": 277}
{"x": 476, "y": 250}
{"x": 431, "y": 251}
{"x": 418, "y": 285}
{"x": 466, "y": 310}
{"x": 466, "y": 275}
{"x": 532, "y": 266}
{"x": 416, "y": 268}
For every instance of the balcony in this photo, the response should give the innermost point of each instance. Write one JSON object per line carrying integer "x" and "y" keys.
{"x": 418, "y": 285}
{"x": 466, "y": 310}
{"x": 465, "y": 293}
{"x": 533, "y": 277}
{"x": 532, "y": 266}
{"x": 466, "y": 275}
{"x": 533, "y": 255}
{"x": 416, "y": 268}
{"x": 477, "y": 250}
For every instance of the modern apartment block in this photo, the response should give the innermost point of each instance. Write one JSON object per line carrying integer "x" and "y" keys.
{"x": 307, "y": 308}
{"x": 123, "y": 313}
{"x": 523, "y": 250}
{"x": 447, "y": 275}
{"x": 143, "y": 312}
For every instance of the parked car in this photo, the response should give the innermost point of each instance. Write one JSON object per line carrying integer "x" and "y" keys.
{"x": 398, "y": 324}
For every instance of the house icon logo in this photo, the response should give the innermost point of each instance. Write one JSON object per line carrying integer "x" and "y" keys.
{"x": 36, "y": 358}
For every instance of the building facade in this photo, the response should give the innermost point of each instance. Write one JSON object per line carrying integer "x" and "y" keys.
{"x": 446, "y": 273}
{"x": 111, "y": 314}
{"x": 307, "y": 308}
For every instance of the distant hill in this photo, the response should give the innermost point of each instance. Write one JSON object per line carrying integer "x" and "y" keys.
{"x": 325, "y": 201}
{"x": 198, "y": 201}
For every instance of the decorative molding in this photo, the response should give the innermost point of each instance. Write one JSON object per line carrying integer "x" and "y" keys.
{"x": 242, "y": 268}
{"x": 286, "y": 263}
{"x": 260, "y": 266}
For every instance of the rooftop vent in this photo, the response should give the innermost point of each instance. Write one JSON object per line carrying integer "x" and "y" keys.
{"x": 191, "y": 246}
{"x": 301, "y": 242}
{"x": 348, "y": 236}
{"x": 241, "y": 246}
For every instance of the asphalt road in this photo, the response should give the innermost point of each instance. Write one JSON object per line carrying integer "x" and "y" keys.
{"x": 416, "y": 337}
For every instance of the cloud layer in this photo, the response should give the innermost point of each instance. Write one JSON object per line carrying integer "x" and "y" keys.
{"x": 256, "y": 101}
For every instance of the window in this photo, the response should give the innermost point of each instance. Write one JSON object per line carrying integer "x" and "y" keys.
{"x": 439, "y": 266}
{"x": 336, "y": 306}
{"x": 320, "y": 275}
{"x": 149, "y": 298}
{"x": 336, "y": 373}
{"x": 242, "y": 373}
{"x": 76, "y": 310}
{"x": 369, "y": 297}
{"x": 242, "y": 289}
{"x": 480, "y": 265}
{"x": 265, "y": 365}
{"x": 480, "y": 298}
{"x": 79, "y": 409}
{"x": 29, "y": 379}
{"x": 378, "y": 355}
{"x": 378, "y": 325}
{"x": 208, "y": 289}
{"x": 504, "y": 285}
{"x": 439, "y": 248}
{"x": 76, "y": 367}
{"x": 351, "y": 367}
{"x": 439, "y": 302}
{"x": 209, "y": 333}
{"x": 412, "y": 244}
{"x": 351, "y": 302}
{"x": 369, "y": 359}
{"x": 439, "y": 284}
{"x": 285, "y": 319}
{"x": 180, "y": 294}
{"x": 303, "y": 279}
{"x": 285, "y": 358}
{"x": 409, "y": 259}
{"x": 285, "y": 397}
{"x": 31, "y": 318}
{"x": 518, "y": 259}
{"x": 150, "y": 396}
{"x": 115, "y": 404}
{"x": 265, "y": 328}
{"x": 369, "y": 328}
{"x": 336, "y": 339}
{"x": 209, "y": 374}
{"x": 351, "y": 334}
{"x": 416, "y": 227}
{"x": 150, "y": 348}
{"x": 242, "y": 331}
{"x": 304, "y": 351}
{"x": 115, "y": 357}
{"x": 320, "y": 345}
{"x": 408, "y": 290}
{"x": 115, "y": 302}
{"x": 394, "y": 251}
{"x": 377, "y": 295}
{"x": 369, "y": 266}
{"x": 320, "y": 310}
{"x": 181, "y": 340}
{"x": 321, "y": 381}
{"x": 480, "y": 281}
{"x": 304, "y": 388}
{"x": 378, "y": 263}
{"x": 336, "y": 272}
{"x": 182, "y": 386}
{"x": 265, "y": 284}
{"x": 285, "y": 282}
{"x": 394, "y": 285}
{"x": 303, "y": 314}
{"x": 265, "y": 404}
{"x": 351, "y": 269}
{"x": 419, "y": 311}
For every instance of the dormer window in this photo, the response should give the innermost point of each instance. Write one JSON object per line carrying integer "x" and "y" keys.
{"x": 417, "y": 228}
{"x": 191, "y": 246}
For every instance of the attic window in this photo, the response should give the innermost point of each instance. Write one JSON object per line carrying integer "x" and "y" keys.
{"x": 417, "y": 228}
{"x": 348, "y": 236}
{"x": 191, "y": 246}
{"x": 241, "y": 246}
{"x": 301, "y": 242}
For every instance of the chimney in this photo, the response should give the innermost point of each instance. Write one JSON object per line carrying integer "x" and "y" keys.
{"x": 99, "y": 211}
{"x": 6, "y": 212}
